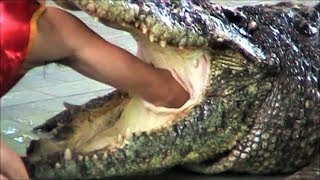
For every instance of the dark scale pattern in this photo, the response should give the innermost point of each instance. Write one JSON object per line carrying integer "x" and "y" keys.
{"x": 260, "y": 113}
{"x": 216, "y": 125}
{"x": 289, "y": 119}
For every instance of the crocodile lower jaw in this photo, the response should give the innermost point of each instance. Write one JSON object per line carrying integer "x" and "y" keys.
{"x": 190, "y": 68}
{"x": 112, "y": 125}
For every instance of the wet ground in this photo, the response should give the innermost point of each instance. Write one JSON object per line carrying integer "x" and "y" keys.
{"x": 40, "y": 94}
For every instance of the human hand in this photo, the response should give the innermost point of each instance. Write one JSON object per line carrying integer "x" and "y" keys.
{"x": 11, "y": 166}
{"x": 174, "y": 95}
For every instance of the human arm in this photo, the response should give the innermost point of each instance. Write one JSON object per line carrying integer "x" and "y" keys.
{"x": 12, "y": 166}
{"x": 62, "y": 36}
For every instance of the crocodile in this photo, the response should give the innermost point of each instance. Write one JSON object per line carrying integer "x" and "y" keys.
{"x": 253, "y": 77}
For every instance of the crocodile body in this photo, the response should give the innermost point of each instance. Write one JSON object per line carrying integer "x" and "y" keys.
{"x": 258, "y": 112}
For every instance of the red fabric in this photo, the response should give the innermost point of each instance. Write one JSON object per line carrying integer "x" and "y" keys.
{"x": 15, "y": 16}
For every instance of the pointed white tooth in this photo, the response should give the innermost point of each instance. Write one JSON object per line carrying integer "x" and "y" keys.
{"x": 80, "y": 158}
{"x": 105, "y": 156}
{"x": 137, "y": 23}
{"x": 128, "y": 133}
{"x": 59, "y": 124}
{"x": 252, "y": 25}
{"x": 67, "y": 154}
{"x": 151, "y": 38}
{"x": 195, "y": 63}
{"x": 123, "y": 24}
{"x": 144, "y": 28}
{"x": 90, "y": 7}
{"x": 102, "y": 11}
{"x": 220, "y": 34}
{"x": 136, "y": 9}
{"x": 181, "y": 47}
{"x": 94, "y": 157}
{"x": 138, "y": 132}
{"x": 96, "y": 19}
{"x": 220, "y": 40}
{"x": 142, "y": 17}
{"x": 150, "y": 20}
{"x": 86, "y": 158}
{"x": 163, "y": 43}
{"x": 120, "y": 138}
{"x": 58, "y": 165}
{"x": 54, "y": 131}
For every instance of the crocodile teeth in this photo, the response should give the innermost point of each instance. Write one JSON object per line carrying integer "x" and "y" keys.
{"x": 123, "y": 24}
{"x": 138, "y": 133}
{"x": 163, "y": 43}
{"x": 150, "y": 20}
{"x": 67, "y": 154}
{"x": 252, "y": 25}
{"x": 181, "y": 47}
{"x": 91, "y": 7}
{"x": 102, "y": 11}
{"x": 220, "y": 34}
{"x": 144, "y": 28}
{"x": 142, "y": 17}
{"x": 220, "y": 40}
{"x": 151, "y": 38}
{"x": 196, "y": 63}
{"x": 164, "y": 126}
{"x": 176, "y": 11}
{"x": 86, "y": 158}
{"x": 136, "y": 9}
{"x": 80, "y": 158}
{"x": 105, "y": 156}
{"x": 94, "y": 157}
{"x": 58, "y": 165}
{"x": 59, "y": 124}
{"x": 183, "y": 42}
{"x": 243, "y": 156}
{"x": 232, "y": 158}
{"x": 307, "y": 104}
{"x": 137, "y": 23}
{"x": 128, "y": 133}
{"x": 129, "y": 16}
{"x": 54, "y": 131}
{"x": 96, "y": 19}
{"x": 120, "y": 138}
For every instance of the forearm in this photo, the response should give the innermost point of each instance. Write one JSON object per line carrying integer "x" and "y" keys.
{"x": 120, "y": 69}
{"x": 63, "y": 36}
{"x": 12, "y": 166}
{"x": 107, "y": 63}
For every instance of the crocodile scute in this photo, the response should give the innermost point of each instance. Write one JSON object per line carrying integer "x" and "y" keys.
{"x": 253, "y": 74}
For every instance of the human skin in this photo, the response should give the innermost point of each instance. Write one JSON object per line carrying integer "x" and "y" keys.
{"x": 100, "y": 60}
{"x": 258, "y": 112}
{"x": 64, "y": 39}
{"x": 12, "y": 166}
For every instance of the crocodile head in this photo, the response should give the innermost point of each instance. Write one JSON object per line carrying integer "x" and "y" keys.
{"x": 252, "y": 74}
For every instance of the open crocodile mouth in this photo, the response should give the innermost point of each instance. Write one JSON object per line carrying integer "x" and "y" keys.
{"x": 124, "y": 121}
{"x": 189, "y": 68}
{"x": 111, "y": 125}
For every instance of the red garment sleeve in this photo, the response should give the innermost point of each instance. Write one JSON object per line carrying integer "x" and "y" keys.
{"x": 18, "y": 22}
